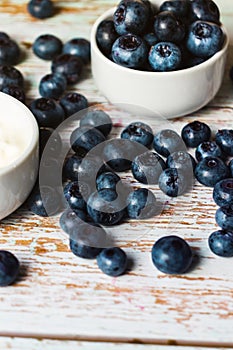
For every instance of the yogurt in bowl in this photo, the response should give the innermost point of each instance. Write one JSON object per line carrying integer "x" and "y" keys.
{"x": 19, "y": 158}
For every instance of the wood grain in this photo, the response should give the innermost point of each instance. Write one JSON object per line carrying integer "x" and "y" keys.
{"x": 61, "y": 296}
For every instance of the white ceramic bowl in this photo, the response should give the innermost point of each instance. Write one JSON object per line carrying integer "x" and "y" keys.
{"x": 169, "y": 94}
{"x": 18, "y": 172}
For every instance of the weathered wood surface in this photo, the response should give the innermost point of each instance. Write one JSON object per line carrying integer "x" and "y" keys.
{"x": 61, "y": 296}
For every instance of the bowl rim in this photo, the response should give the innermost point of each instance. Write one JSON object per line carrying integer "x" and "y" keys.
{"x": 34, "y": 136}
{"x": 108, "y": 15}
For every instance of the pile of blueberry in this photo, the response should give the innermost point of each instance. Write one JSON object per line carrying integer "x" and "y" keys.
{"x": 178, "y": 35}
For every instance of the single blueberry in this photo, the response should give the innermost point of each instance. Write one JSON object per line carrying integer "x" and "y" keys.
{"x": 168, "y": 141}
{"x": 68, "y": 65}
{"x": 75, "y": 193}
{"x": 130, "y": 51}
{"x": 223, "y": 192}
{"x": 151, "y": 39}
{"x": 52, "y": 85}
{"x": 105, "y": 36}
{"x": 173, "y": 182}
{"x": 107, "y": 180}
{"x": 84, "y": 138}
{"x": 48, "y": 113}
{"x": 221, "y": 243}
{"x": 79, "y": 47}
{"x": 206, "y": 149}
{"x": 204, "y": 10}
{"x": 9, "y": 52}
{"x": 165, "y": 56}
{"x": 179, "y": 7}
{"x": 224, "y": 217}
{"x": 172, "y": 255}
{"x": 71, "y": 167}
{"x": 142, "y": 204}
{"x": 211, "y": 170}
{"x": 73, "y": 102}
{"x": 47, "y": 46}
{"x": 97, "y": 119}
{"x": 10, "y": 76}
{"x": 112, "y": 261}
{"x": 168, "y": 27}
{"x": 9, "y": 268}
{"x": 181, "y": 160}
{"x": 147, "y": 167}
{"x": 71, "y": 219}
{"x": 138, "y": 132}
{"x": 224, "y": 139}
{"x": 44, "y": 201}
{"x": 41, "y": 8}
{"x": 195, "y": 133}
{"x": 16, "y": 92}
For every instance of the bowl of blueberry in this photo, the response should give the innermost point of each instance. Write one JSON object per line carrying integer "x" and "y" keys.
{"x": 167, "y": 59}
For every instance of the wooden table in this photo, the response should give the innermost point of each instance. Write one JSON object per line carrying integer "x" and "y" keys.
{"x": 63, "y": 302}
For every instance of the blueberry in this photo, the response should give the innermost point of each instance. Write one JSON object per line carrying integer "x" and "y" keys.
{"x": 172, "y": 255}
{"x": 224, "y": 217}
{"x": 165, "y": 56}
{"x": 68, "y": 65}
{"x": 79, "y": 47}
{"x": 107, "y": 180}
{"x": 208, "y": 149}
{"x": 179, "y": 7}
{"x": 150, "y": 38}
{"x": 168, "y": 141}
{"x": 138, "y": 132}
{"x": 73, "y": 102}
{"x": 88, "y": 241}
{"x": 204, "y": 39}
{"x": 10, "y": 76}
{"x": 105, "y": 36}
{"x": 71, "y": 167}
{"x": 224, "y": 139}
{"x": 131, "y": 16}
{"x": 44, "y": 201}
{"x": 119, "y": 153}
{"x": 52, "y": 85}
{"x": 204, "y": 10}
{"x": 223, "y": 192}
{"x": 9, "y": 268}
{"x": 71, "y": 219}
{"x": 9, "y": 51}
{"x": 55, "y": 142}
{"x": 147, "y": 167}
{"x": 4, "y": 35}
{"x": 47, "y": 46}
{"x": 75, "y": 193}
{"x": 231, "y": 167}
{"x": 221, "y": 243}
{"x": 168, "y": 27}
{"x": 130, "y": 51}
{"x": 41, "y": 8}
{"x": 181, "y": 160}
{"x": 112, "y": 261}
{"x": 97, "y": 119}
{"x": 84, "y": 138}
{"x": 142, "y": 204}
{"x": 105, "y": 212}
{"x": 211, "y": 170}
{"x": 47, "y": 112}
{"x": 173, "y": 182}
{"x": 108, "y": 194}
{"x": 195, "y": 133}
{"x": 16, "y": 92}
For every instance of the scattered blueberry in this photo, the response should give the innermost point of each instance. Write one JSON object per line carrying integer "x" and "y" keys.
{"x": 105, "y": 36}
{"x": 138, "y": 132}
{"x": 224, "y": 217}
{"x": 173, "y": 182}
{"x": 172, "y": 255}
{"x": 68, "y": 65}
{"x": 168, "y": 141}
{"x": 181, "y": 160}
{"x": 208, "y": 149}
{"x": 52, "y": 85}
{"x": 41, "y": 8}
{"x": 223, "y": 192}
{"x": 16, "y": 92}
{"x": 47, "y": 46}
{"x": 195, "y": 133}
{"x": 97, "y": 119}
{"x": 9, "y": 51}
{"x": 84, "y": 138}
{"x": 142, "y": 204}
{"x": 79, "y": 47}
{"x": 75, "y": 193}
{"x": 9, "y": 268}
{"x": 47, "y": 112}
{"x": 71, "y": 167}
{"x": 44, "y": 201}
{"x": 10, "y": 76}
{"x": 112, "y": 261}
{"x": 71, "y": 219}
{"x": 211, "y": 170}
{"x": 168, "y": 27}
{"x": 221, "y": 243}
{"x": 224, "y": 139}
{"x": 73, "y": 102}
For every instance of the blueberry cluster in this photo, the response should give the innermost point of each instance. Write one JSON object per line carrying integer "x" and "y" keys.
{"x": 179, "y": 34}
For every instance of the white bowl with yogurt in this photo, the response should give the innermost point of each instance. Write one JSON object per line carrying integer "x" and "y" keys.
{"x": 19, "y": 143}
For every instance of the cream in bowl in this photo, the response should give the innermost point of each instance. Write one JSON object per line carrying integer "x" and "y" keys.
{"x": 18, "y": 153}
{"x": 169, "y": 93}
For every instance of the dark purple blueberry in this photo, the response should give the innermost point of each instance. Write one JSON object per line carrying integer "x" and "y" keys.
{"x": 9, "y": 268}
{"x": 41, "y": 8}
{"x": 138, "y": 132}
{"x": 105, "y": 36}
{"x": 224, "y": 139}
{"x": 204, "y": 39}
{"x": 4, "y": 35}
{"x": 75, "y": 193}
{"x": 112, "y": 261}
{"x": 205, "y": 10}
{"x": 223, "y": 192}
{"x": 174, "y": 182}
{"x": 142, "y": 204}
{"x": 183, "y": 161}
{"x": 172, "y": 255}
{"x": 47, "y": 46}
{"x": 84, "y": 138}
{"x": 44, "y": 201}
{"x": 168, "y": 141}
{"x": 16, "y": 92}
{"x": 71, "y": 167}
{"x": 206, "y": 149}
{"x": 165, "y": 56}
{"x": 55, "y": 142}
{"x": 147, "y": 167}
{"x": 79, "y": 47}
{"x": 68, "y": 65}
{"x": 211, "y": 170}
{"x": 9, "y": 51}
{"x": 224, "y": 217}
{"x": 150, "y": 38}
{"x": 131, "y": 16}
{"x": 180, "y": 8}
{"x": 48, "y": 113}
{"x": 71, "y": 219}
{"x": 10, "y": 76}
{"x": 52, "y": 85}
{"x": 73, "y": 102}
{"x": 108, "y": 180}
{"x": 168, "y": 27}
{"x": 130, "y": 51}
{"x": 221, "y": 243}
{"x": 195, "y": 133}
{"x": 97, "y": 119}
